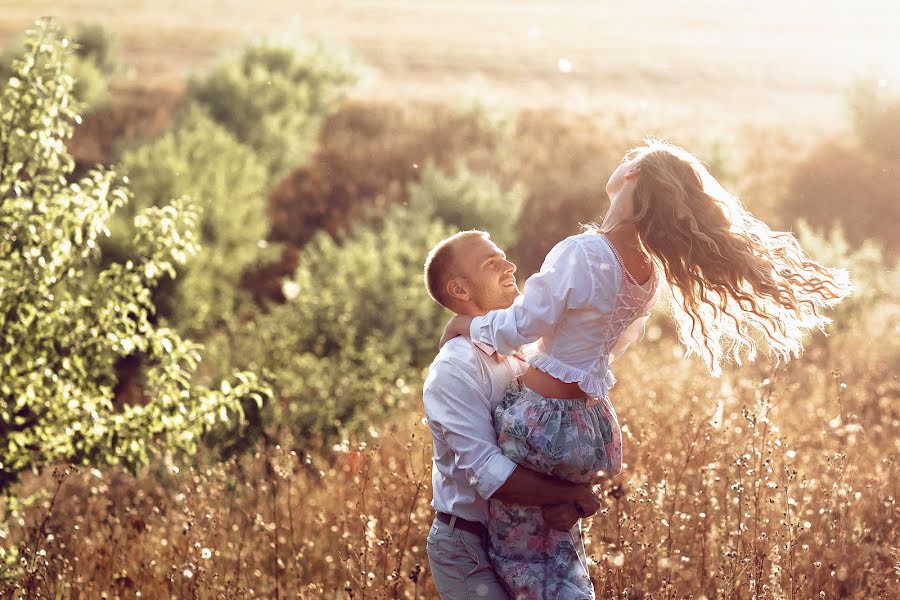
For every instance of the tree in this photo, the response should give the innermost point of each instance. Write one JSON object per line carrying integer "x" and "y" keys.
{"x": 358, "y": 327}
{"x": 64, "y": 321}
{"x": 274, "y": 98}
{"x": 226, "y": 181}
{"x": 469, "y": 200}
{"x": 90, "y": 62}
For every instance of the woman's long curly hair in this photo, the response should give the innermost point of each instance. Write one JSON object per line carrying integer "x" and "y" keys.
{"x": 733, "y": 279}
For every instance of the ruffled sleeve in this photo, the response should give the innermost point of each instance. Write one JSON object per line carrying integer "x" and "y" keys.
{"x": 564, "y": 282}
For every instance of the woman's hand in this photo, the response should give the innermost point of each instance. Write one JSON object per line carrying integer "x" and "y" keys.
{"x": 457, "y": 326}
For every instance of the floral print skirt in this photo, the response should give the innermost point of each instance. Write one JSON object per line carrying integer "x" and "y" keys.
{"x": 567, "y": 438}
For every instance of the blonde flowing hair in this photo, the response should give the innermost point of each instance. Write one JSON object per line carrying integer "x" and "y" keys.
{"x": 732, "y": 278}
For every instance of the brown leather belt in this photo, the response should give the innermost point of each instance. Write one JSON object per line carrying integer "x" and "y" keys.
{"x": 470, "y": 526}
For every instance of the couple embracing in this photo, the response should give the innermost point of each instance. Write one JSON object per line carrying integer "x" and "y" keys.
{"x": 517, "y": 398}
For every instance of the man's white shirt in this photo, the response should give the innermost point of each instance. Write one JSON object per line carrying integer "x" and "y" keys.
{"x": 465, "y": 383}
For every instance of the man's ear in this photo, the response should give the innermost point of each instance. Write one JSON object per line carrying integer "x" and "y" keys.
{"x": 632, "y": 173}
{"x": 457, "y": 290}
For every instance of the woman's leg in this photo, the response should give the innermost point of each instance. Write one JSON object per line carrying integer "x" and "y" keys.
{"x": 535, "y": 561}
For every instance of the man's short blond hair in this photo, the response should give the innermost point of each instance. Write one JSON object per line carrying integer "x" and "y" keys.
{"x": 440, "y": 265}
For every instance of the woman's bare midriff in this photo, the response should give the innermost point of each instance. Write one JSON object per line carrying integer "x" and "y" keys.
{"x": 549, "y": 386}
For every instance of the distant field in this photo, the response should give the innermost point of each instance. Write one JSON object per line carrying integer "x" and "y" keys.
{"x": 709, "y": 65}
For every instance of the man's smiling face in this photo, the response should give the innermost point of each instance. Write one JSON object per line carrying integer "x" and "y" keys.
{"x": 486, "y": 274}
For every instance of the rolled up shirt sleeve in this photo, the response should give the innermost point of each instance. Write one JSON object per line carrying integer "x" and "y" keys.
{"x": 564, "y": 281}
{"x": 457, "y": 405}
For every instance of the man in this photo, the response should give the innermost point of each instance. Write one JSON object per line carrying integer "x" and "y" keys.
{"x": 468, "y": 274}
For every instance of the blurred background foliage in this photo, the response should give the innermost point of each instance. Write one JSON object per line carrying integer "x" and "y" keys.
{"x": 315, "y": 214}
{"x": 274, "y": 97}
{"x": 66, "y": 320}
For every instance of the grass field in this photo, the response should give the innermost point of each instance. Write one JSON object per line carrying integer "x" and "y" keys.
{"x": 707, "y": 65}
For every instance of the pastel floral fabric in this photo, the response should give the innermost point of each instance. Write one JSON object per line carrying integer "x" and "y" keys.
{"x": 570, "y": 439}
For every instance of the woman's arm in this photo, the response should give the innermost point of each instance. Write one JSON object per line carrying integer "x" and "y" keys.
{"x": 457, "y": 326}
{"x": 564, "y": 281}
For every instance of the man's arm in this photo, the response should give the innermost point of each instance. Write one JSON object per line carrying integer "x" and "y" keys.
{"x": 456, "y": 403}
{"x": 525, "y": 486}
{"x": 563, "y": 502}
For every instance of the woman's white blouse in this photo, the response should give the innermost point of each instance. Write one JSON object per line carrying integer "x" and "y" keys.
{"x": 581, "y": 309}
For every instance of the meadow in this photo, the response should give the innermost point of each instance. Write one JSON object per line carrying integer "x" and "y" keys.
{"x": 239, "y": 415}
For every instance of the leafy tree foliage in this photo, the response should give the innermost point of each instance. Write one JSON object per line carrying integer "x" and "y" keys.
{"x": 469, "y": 200}
{"x": 90, "y": 61}
{"x": 65, "y": 322}
{"x": 274, "y": 97}
{"x": 358, "y": 327}
{"x": 357, "y": 323}
{"x": 225, "y": 180}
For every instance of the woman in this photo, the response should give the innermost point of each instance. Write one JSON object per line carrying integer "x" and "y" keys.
{"x": 730, "y": 277}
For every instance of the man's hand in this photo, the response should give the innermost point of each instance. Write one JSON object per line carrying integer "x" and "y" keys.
{"x": 457, "y": 326}
{"x": 561, "y": 516}
{"x": 587, "y": 501}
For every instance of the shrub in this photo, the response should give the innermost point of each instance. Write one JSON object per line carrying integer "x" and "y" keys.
{"x": 94, "y": 43}
{"x": 468, "y": 201}
{"x": 274, "y": 97}
{"x": 224, "y": 178}
{"x": 64, "y": 321}
{"x": 357, "y": 322}
{"x": 369, "y": 152}
{"x": 358, "y": 326}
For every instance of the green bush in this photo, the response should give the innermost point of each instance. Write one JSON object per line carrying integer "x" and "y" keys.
{"x": 358, "y": 327}
{"x": 203, "y": 161}
{"x": 357, "y": 319}
{"x": 94, "y": 43}
{"x": 274, "y": 97}
{"x": 468, "y": 201}
{"x": 65, "y": 322}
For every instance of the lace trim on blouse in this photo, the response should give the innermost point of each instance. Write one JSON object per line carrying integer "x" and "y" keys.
{"x": 632, "y": 302}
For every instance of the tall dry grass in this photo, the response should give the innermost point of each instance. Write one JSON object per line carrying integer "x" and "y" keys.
{"x": 762, "y": 484}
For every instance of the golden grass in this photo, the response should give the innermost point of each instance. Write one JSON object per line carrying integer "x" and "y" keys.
{"x": 763, "y": 484}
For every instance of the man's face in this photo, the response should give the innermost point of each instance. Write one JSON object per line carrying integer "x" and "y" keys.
{"x": 486, "y": 274}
